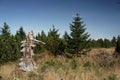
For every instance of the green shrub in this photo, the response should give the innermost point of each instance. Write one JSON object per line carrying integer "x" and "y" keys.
{"x": 1, "y": 78}
{"x": 51, "y": 64}
{"x": 88, "y": 65}
{"x": 74, "y": 64}
{"x": 112, "y": 77}
{"x": 32, "y": 75}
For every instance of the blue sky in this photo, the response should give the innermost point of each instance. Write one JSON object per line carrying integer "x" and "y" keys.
{"x": 102, "y": 17}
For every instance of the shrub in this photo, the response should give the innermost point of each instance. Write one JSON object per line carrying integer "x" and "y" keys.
{"x": 88, "y": 65}
{"x": 112, "y": 77}
{"x": 1, "y": 78}
{"x": 32, "y": 75}
{"x": 74, "y": 64}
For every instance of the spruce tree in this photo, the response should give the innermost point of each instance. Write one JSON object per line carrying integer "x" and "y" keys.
{"x": 117, "y": 49}
{"x": 94, "y": 43}
{"x": 5, "y": 44}
{"x": 42, "y": 37}
{"x": 66, "y": 36}
{"x": 8, "y": 45}
{"x": 19, "y": 36}
{"x": 5, "y": 30}
{"x": 66, "y": 40}
{"x": 100, "y": 43}
{"x": 54, "y": 43}
{"x": 78, "y": 40}
{"x": 113, "y": 42}
{"x": 21, "y": 33}
{"x": 107, "y": 43}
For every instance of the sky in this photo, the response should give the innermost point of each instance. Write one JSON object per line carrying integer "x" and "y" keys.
{"x": 101, "y": 17}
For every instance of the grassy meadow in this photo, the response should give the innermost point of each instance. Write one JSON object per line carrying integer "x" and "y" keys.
{"x": 98, "y": 65}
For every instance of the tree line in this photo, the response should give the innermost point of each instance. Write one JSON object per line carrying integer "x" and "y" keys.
{"x": 77, "y": 42}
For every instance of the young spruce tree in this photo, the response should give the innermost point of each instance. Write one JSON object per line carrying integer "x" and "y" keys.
{"x": 54, "y": 43}
{"x": 117, "y": 49}
{"x": 78, "y": 40}
{"x": 8, "y": 45}
{"x": 113, "y": 42}
{"x": 40, "y": 47}
{"x": 21, "y": 34}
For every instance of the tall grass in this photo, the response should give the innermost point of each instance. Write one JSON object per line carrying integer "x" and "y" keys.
{"x": 98, "y": 67}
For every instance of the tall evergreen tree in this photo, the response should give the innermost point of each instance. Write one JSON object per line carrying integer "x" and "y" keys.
{"x": 8, "y": 47}
{"x": 107, "y": 43}
{"x": 42, "y": 37}
{"x": 66, "y": 36}
{"x": 117, "y": 49}
{"x": 21, "y": 33}
{"x": 9, "y": 50}
{"x": 54, "y": 44}
{"x": 100, "y": 43}
{"x": 19, "y": 36}
{"x": 113, "y": 42}
{"x": 78, "y": 39}
{"x": 66, "y": 39}
{"x": 93, "y": 43}
{"x": 5, "y": 38}
{"x": 5, "y": 30}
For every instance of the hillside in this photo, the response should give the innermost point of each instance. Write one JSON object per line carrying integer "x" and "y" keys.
{"x": 96, "y": 67}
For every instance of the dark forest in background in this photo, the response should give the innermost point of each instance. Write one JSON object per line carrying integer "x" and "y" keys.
{"x": 77, "y": 42}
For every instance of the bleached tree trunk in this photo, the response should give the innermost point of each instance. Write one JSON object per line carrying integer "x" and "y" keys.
{"x": 27, "y": 63}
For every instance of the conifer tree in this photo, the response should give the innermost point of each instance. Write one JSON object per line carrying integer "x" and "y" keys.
{"x": 66, "y": 40}
{"x": 5, "y": 30}
{"x": 8, "y": 47}
{"x": 113, "y": 42}
{"x": 94, "y": 43}
{"x": 5, "y": 40}
{"x": 54, "y": 43}
{"x": 19, "y": 36}
{"x": 117, "y": 49}
{"x": 100, "y": 43}
{"x": 78, "y": 39}
{"x": 66, "y": 36}
{"x": 107, "y": 43}
{"x": 42, "y": 37}
{"x": 21, "y": 33}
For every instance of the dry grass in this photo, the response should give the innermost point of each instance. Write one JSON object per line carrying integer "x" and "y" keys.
{"x": 95, "y": 67}
{"x": 96, "y": 51}
{"x": 6, "y": 70}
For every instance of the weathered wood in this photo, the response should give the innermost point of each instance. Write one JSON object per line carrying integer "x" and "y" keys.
{"x": 27, "y": 63}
